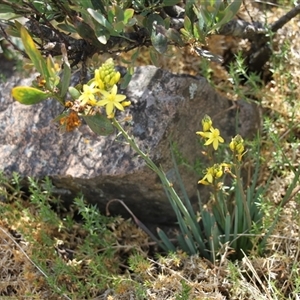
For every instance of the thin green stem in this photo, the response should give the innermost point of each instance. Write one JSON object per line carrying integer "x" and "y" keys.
{"x": 162, "y": 176}
{"x": 240, "y": 186}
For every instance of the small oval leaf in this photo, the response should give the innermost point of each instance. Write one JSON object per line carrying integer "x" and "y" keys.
{"x": 99, "y": 124}
{"x": 101, "y": 19}
{"x": 159, "y": 42}
{"x": 29, "y": 95}
{"x": 128, "y": 14}
{"x": 75, "y": 94}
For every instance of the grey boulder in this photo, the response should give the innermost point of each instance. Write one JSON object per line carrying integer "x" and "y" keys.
{"x": 165, "y": 108}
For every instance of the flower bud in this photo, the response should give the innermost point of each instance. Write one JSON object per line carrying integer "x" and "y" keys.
{"x": 218, "y": 172}
{"x": 237, "y": 146}
{"x": 206, "y": 123}
{"x": 126, "y": 103}
{"x": 106, "y": 76}
{"x": 115, "y": 79}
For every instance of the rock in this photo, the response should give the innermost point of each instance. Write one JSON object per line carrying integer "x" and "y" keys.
{"x": 165, "y": 107}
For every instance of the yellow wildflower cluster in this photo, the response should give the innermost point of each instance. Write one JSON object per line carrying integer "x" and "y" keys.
{"x": 212, "y": 174}
{"x": 102, "y": 90}
{"x": 212, "y": 137}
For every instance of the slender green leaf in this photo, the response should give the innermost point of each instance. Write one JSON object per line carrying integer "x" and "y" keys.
{"x": 125, "y": 80}
{"x": 65, "y": 80}
{"x": 4, "y": 8}
{"x": 66, "y": 75}
{"x": 135, "y": 55}
{"x": 118, "y": 14}
{"x": 208, "y": 222}
{"x": 233, "y": 7}
{"x": 182, "y": 243}
{"x": 227, "y": 227}
{"x": 235, "y": 228}
{"x": 169, "y": 245}
{"x": 190, "y": 244}
{"x": 187, "y": 24}
{"x": 34, "y": 54}
{"x": 154, "y": 56}
{"x": 67, "y": 28}
{"x": 189, "y": 10}
{"x": 182, "y": 187}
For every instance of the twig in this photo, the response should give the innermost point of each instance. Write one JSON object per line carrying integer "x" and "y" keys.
{"x": 136, "y": 220}
{"x": 255, "y": 275}
{"x": 243, "y": 29}
{"x": 11, "y": 42}
{"x": 286, "y": 18}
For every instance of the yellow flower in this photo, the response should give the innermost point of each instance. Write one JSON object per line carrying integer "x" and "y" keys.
{"x": 88, "y": 95}
{"x": 206, "y": 123}
{"x": 211, "y": 174}
{"x": 111, "y": 100}
{"x": 213, "y": 137}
